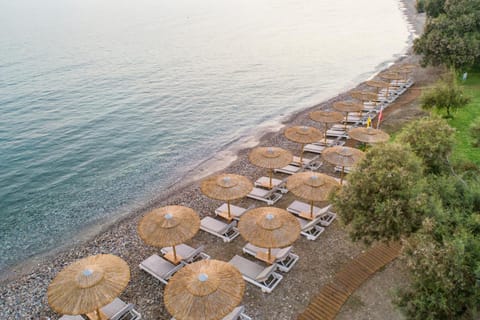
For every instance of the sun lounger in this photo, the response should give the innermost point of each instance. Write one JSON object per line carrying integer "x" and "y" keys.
{"x": 314, "y": 148}
{"x": 311, "y": 229}
{"x": 264, "y": 278}
{"x": 302, "y": 209}
{"x": 345, "y": 169}
{"x": 289, "y": 169}
{"x": 268, "y": 196}
{"x": 284, "y": 258}
{"x": 264, "y": 182}
{"x": 160, "y": 268}
{"x": 227, "y": 232}
{"x": 187, "y": 253}
{"x": 67, "y": 317}
{"x": 235, "y": 211}
{"x": 236, "y": 314}
{"x": 337, "y": 133}
{"x": 119, "y": 310}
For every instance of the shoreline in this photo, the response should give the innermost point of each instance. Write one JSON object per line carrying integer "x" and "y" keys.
{"x": 119, "y": 237}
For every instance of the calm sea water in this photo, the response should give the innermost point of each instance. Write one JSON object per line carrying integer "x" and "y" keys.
{"x": 104, "y": 103}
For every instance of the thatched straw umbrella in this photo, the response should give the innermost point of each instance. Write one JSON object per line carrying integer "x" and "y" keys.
{"x": 270, "y": 158}
{"x": 169, "y": 226}
{"x": 269, "y": 227}
{"x": 377, "y": 84}
{"x": 303, "y": 135}
{"x": 204, "y": 290}
{"x": 226, "y": 187}
{"x": 347, "y": 107}
{"x": 312, "y": 186}
{"x": 88, "y": 284}
{"x": 326, "y": 117}
{"x": 342, "y": 156}
{"x": 368, "y": 135}
{"x": 404, "y": 69}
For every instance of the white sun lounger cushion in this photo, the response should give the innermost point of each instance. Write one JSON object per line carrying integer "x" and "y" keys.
{"x": 268, "y": 196}
{"x": 297, "y": 207}
{"x": 159, "y": 267}
{"x": 67, "y": 317}
{"x": 235, "y": 211}
{"x": 217, "y": 226}
{"x": 187, "y": 253}
{"x": 289, "y": 169}
{"x": 118, "y": 309}
{"x": 278, "y": 253}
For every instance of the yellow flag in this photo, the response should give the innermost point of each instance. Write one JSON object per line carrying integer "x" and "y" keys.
{"x": 369, "y": 122}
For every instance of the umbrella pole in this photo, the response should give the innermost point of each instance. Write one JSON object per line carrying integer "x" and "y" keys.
{"x": 97, "y": 313}
{"x": 228, "y": 206}
{"x": 270, "y": 173}
{"x": 325, "y": 134}
{"x": 341, "y": 175}
{"x": 311, "y": 209}
{"x": 269, "y": 254}
{"x": 301, "y": 155}
{"x": 174, "y": 253}
{"x": 346, "y": 120}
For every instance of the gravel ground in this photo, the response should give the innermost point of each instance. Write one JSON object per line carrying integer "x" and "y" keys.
{"x": 22, "y": 294}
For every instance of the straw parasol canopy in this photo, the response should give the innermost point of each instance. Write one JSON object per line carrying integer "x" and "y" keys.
{"x": 168, "y": 226}
{"x": 391, "y": 76}
{"x": 204, "y": 290}
{"x": 226, "y": 187}
{"x": 269, "y": 227}
{"x": 342, "y": 156}
{"x": 270, "y": 158}
{"x": 347, "y": 107}
{"x": 303, "y": 135}
{"x": 88, "y": 284}
{"x": 326, "y": 117}
{"x": 364, "y": 96}
{"x": 378, "y": 84}
{"x": 368, "y": 135}
{"x": 312, "y": 186}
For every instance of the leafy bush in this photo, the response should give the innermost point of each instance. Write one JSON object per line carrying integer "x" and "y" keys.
{"x": 445, "y": 94}
{"x": 420, "y": 6}
{"x": 384, "y": 198}
{"x": 444, "y": 272}
{"x": 475, "y": 132}
{"x": 452, "y": 34}
{"x": 431, "y": 139}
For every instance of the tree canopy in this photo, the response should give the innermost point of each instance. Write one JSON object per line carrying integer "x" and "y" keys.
{"x": 384, "y": 198}
{"x": 452, "y": 34}
{"x": 431, "y": 139}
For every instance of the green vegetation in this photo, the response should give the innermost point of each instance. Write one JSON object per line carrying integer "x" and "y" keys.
{"x": 436, "y": 211}
{"x": 445, "y": 94}
{"x": 464, "y": 117}
{"x": 475, "y": 132}
{"x": 431, "y": 139}
{"x": 420, "y": 5}
{"x": 452, "y": 34}
{"x": 384, "y": 198}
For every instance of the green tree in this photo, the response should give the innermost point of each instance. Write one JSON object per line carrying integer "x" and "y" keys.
{"x": 452, "y": 34}
{"x": 434, "y": 8}
{"x": 445, "y": 94}
{"x": 444, "y": 273}
{"x": 384, "y": 198}
{"x": 431, "y": 139}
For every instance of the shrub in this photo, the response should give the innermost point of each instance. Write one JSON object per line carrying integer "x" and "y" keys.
{"x": 475, "y": 132}
{"x": 384, "y": 198}
{"x": 445, "y": 94}
{"x": 420, "y": 6}
{"x": 431, "y": 139}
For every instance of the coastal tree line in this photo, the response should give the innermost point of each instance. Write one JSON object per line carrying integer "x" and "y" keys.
{"x": 409, "y": 191}
{"x": 452, "y": 33}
